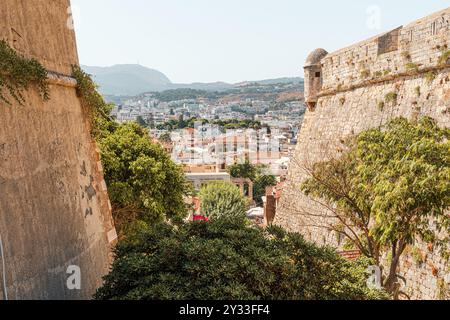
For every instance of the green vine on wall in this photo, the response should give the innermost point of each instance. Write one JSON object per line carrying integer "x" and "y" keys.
{"x": 443, "y": 290}
{"x": 94, "y": 103}
{"x": 391, "y": 97}
{"x": 444, "y": 58}
{"x": 17, "y": 73}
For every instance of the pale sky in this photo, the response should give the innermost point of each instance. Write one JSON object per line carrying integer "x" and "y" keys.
{"x": 231, "y": 40}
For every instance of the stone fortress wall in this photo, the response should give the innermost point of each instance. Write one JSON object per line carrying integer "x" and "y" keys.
{"x": 399, "y": 73}
{"x": 54, "y": 207}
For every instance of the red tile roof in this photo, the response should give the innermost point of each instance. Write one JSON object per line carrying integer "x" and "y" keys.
{"x": 350, "y": 254}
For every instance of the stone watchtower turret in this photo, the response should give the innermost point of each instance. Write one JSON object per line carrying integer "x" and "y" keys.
{"x": 313, "y": 77}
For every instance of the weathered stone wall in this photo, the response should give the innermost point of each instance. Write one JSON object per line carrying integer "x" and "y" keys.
{"x": 54, "y": 207}
{"x": 352, "y": 101}
{"x": 417, "y": 45}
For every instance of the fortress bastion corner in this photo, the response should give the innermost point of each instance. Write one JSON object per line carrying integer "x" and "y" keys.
{"x": 346, "y": 93}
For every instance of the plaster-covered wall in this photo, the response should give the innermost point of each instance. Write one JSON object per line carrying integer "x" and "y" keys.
{"x": 54, "y": 207}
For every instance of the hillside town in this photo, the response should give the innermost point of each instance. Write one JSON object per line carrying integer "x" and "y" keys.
{"x": 328, "y": 180}
{"x": 208, "y": 135}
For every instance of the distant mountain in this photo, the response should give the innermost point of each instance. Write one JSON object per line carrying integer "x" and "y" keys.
{"x": 294, "y": 80}
{"x": 133, "y": 79}
{"x": 128, "y": 79}
{"x": 213, "y": 86}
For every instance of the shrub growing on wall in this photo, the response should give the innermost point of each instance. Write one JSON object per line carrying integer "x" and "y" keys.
{"x": 94, "y": 104}
{"x": 17, "y": 73}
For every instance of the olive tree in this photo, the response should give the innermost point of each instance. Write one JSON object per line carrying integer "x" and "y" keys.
{"x": 389, "y": 188}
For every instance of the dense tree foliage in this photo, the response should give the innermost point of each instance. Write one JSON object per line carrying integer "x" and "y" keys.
{"x": 222, "y": 198}
{"x": 260, "y": 183}
{"x": 257, "y": 174}
{"x": 141, "y": 176}
{"x": 243, "y": 170}
{"x": 268, "y": 89}
{"x": 226, "y": 259}
{"x": 165, "y": 137}
{"x": 182, "y": 123}
{"x": 389, "y": 189}
{"x": 140, "y": 120}
{"x": 239, "y": 124}
{"x": 186, "y": 94}
{"x": 250, "y": 111}
{"x": 144, "y": 184}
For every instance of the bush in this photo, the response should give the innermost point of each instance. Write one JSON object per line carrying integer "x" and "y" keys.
{"x": 222, "y": 199}
{"x": 226, "y": 259}
{"x": 94, "y": 104}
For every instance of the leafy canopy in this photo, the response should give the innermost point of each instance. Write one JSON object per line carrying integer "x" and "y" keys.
{"x": 408, "y": 168}
{"x": 260, "y": 183}
{"x": 222, "y": 198}
{"x": 243, "y": 170}
{"x": 390, "y": 188}
{"x": 257, "y": 174}
{"x": 144, "y": 184}
{"x": 226, "y": 259}
{"x": 140, "y": 174}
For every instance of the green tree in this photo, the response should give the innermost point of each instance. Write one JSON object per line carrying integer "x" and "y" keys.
{"x": 144, "y": 185}
{"x": 226, "y": 259}
{"x": 243, "y": 170}
{"x": 222, "y": 198}
{"x": 143, "y": 182}
{"x": 140, "y": 120}
{"x": 391, "y": 187}
{"x": 261, "y": 182}
{"x": 165, "y": 137}
{"x": 257, "y": 174}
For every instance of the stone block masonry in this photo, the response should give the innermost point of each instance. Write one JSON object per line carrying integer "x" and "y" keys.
{"x": 54, "y": 207}
{"x": 404, "y": 72}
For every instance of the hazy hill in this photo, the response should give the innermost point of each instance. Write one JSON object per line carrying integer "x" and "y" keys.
{"x": 213, "y": 86}
{"x": 133, "y": 79}
{"x": 128, "y": 79}
{"x": 294, "y": 80}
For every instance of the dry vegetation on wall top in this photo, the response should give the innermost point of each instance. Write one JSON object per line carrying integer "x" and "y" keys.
{"x": 17, "y": 73}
